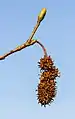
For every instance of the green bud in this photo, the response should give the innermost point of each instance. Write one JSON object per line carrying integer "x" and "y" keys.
{"x": 42, "y": 14}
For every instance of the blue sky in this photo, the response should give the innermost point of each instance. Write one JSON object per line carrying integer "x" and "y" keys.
{"x": 19, "y": 72}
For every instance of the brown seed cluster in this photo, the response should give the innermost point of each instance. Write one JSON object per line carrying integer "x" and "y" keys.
{"x": 47, "y": 86}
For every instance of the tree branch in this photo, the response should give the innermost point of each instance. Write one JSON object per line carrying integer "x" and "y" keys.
{"x": 29, "y": 41}
{"x": 17, "y": 49}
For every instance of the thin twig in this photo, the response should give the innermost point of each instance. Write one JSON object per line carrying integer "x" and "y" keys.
{"x": 33, "y": 41}
{"x": 45, "y": 52}
{"x": 29, "y": 41}
{"x": 17, "y": 49}
{"x": 33, "y": 32}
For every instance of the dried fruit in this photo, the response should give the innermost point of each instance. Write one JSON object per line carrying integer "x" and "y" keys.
{"x": 46, "y": 90}
{"x": 45, "y": 63}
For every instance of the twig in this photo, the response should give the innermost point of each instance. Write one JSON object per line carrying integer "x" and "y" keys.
{"x": 44, "y": 50}
{"x": 17, "y": 49}
{"x": 29, "y": 41}
{"x": 24, "y": 46}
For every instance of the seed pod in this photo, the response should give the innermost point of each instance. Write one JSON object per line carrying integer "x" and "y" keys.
{"x": 42, "y": 14}
{"x": 46, "y": 91}
{"x": 46, "y": 63}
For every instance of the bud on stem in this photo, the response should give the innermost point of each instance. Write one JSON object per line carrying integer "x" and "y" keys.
{"x": 42, "y": 14}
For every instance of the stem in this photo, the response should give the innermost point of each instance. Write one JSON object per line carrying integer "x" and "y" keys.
{"x": 28, "y": 43}
{"x": 17, "y": 49}
{"x": 22, "y": 47}
{"x": 44, "y": 50}
{"x": 33, "y": 32}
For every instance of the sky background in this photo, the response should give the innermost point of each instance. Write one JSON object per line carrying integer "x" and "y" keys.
{"x": 19, "y": 72}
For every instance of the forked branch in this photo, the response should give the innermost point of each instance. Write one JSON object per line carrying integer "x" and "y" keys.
{"x": 30, "y": 41}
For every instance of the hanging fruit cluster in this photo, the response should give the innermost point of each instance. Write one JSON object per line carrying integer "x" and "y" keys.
{"x": 47, "y": 86}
